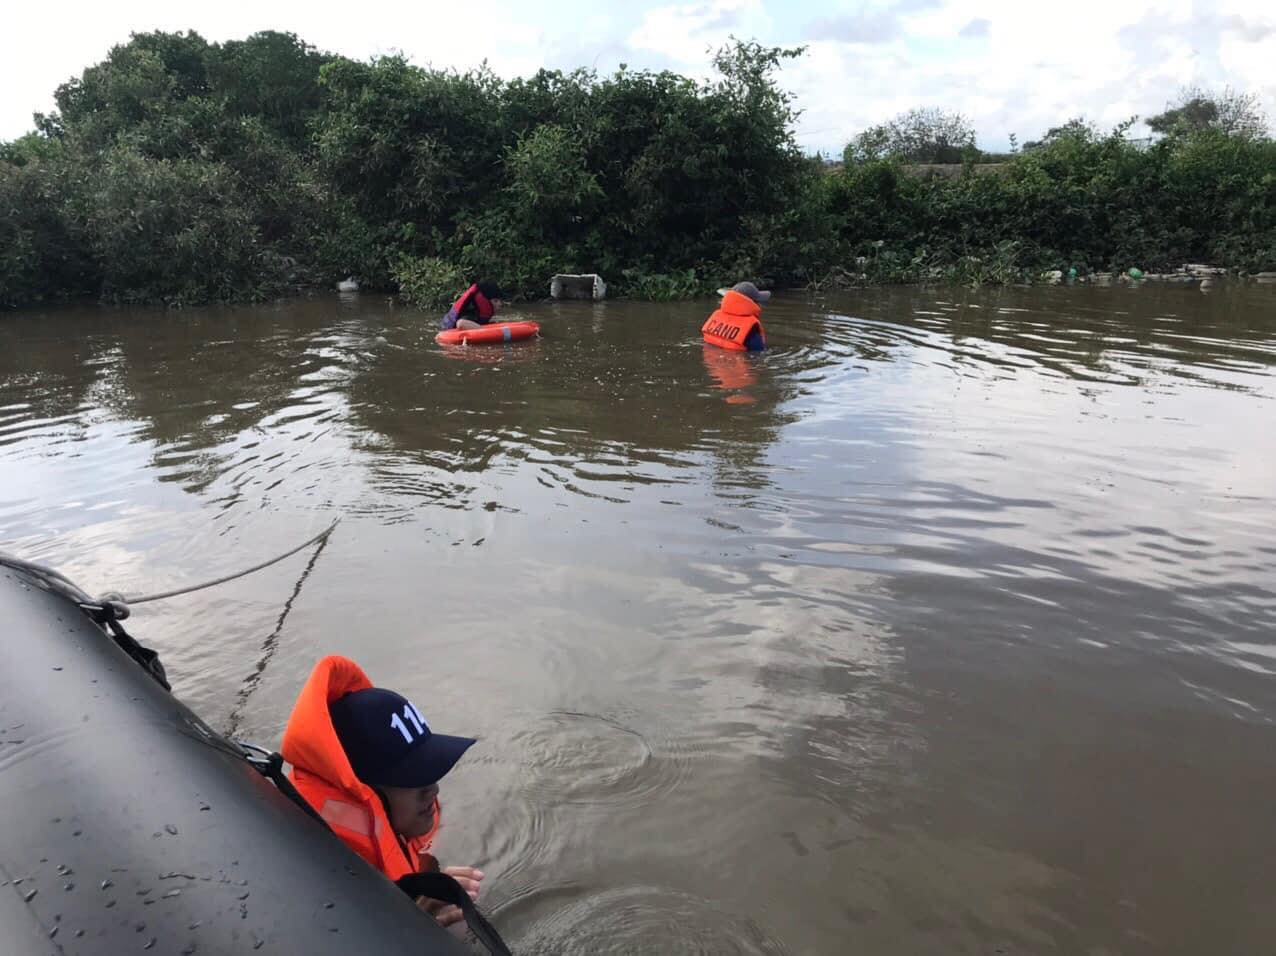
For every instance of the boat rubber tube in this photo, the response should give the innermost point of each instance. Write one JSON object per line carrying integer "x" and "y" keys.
{"x": 495, "y": 333}
{"x": 130, "y": 825}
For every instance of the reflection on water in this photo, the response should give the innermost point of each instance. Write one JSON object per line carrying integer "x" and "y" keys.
{"x": 945, "y": 625}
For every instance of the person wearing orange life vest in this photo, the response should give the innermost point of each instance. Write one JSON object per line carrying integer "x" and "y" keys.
{"x": 366, "y": 760}
{"x": 735, "y": 325}
{"x": 475, "y": 308}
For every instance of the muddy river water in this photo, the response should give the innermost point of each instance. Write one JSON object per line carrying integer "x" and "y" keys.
{"x": 946, "y": 625}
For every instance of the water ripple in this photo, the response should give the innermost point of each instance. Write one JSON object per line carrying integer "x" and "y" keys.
{"x": 637, "y": 919}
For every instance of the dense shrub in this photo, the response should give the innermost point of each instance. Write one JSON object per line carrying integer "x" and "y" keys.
{"x": 666, "y": 288}
{"x": 918, "y": 136}
{"x": 427, "y": 282}
{"x": 42, "y": 250}
{"x": 179, "y": 170}
{"x": 1078, "y": 199}
{"x": 175, "y": 231}
{"x": 20, "y": 264}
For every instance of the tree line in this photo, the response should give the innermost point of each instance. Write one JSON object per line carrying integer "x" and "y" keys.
{"x": 182, "y": 171}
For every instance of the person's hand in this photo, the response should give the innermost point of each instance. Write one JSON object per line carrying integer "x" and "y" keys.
{"x": 468, "y": 877}
{"x": 445, "y": 914}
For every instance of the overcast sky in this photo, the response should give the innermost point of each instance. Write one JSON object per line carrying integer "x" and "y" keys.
{"x": 1012, "y": 66}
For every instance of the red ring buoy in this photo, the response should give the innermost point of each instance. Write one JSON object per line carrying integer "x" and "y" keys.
{"x": 495, "y": 333}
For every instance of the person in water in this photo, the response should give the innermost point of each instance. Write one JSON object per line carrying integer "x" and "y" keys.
{"x": 475, "y": 308}
{"x": 735, "y": 325}
{"x": 366, "y": 760}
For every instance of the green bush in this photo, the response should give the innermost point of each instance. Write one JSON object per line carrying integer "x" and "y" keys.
{"x": 42, "y": 250}
{"x": 549, "y": 184}
{"x": 1078, "y": 198}
{"x": 428, "y": 283}
{"x": 19, "y": 260}
{"x": 173, "y": 231}
{"x": 658, "y": 287}
{"x": 179, "y": 170}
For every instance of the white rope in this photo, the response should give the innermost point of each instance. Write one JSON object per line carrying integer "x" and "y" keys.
{"x": 59, "y": 582}
{"x": 146, "y": 598}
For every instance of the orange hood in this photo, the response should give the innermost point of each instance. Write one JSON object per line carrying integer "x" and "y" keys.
{"x": 733, "y": 303}
{"x": 310, "y": 742}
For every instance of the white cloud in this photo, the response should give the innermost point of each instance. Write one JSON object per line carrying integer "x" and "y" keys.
{"x": 1253, "y": 65}
{"x": 43, "y": 45}
{"x": 1027, "y": 73}
{"x": 684, "y": 33}
{"x": 1021, "y": 70}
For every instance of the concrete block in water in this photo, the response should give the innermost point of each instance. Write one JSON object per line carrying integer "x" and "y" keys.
{"x": 587, "y": 286}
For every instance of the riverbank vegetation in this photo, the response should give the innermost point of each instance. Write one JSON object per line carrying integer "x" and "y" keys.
{"x": 182, "y": 171}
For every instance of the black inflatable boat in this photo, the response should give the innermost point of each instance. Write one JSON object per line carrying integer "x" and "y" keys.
{"x": 129, "y": 825}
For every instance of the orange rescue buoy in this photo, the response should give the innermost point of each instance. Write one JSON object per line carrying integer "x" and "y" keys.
{"x": 494, "y": 333}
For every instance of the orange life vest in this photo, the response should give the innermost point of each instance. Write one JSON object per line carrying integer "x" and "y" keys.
{"x": 322, "y": 772}
{"x": 731, "y": 324}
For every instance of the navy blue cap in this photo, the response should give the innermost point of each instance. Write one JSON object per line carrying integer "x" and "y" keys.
{"x": 388, "y": 742}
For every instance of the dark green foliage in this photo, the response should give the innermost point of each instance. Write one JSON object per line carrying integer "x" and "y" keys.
{"x": 1075, "y": 199}
{"x": 177, "y": 231}
{"x": 429, "y": 283}
{"x": 549, "y": 185}
{"x": 667, "y": 288}
{"x": 20, "y": 263}
{"x": 183, "y": 175}
{"x": 639, "y": 173}
{"x": 42, "y": 255}
{"x": 273, "y": 77}
{"x": 179, "y": 170}
{"x": 413, "y": 149}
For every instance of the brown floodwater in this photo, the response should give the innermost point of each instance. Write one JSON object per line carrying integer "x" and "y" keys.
{"x": 947, "y": 625}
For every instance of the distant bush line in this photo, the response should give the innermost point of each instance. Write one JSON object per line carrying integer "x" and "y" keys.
{"x": 181, "y": 171}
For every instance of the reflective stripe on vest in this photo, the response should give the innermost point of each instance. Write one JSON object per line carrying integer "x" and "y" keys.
{"x": 352, "y": 817}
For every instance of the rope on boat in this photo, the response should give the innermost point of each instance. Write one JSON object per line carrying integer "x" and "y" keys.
{"x": 116, "y": 604}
